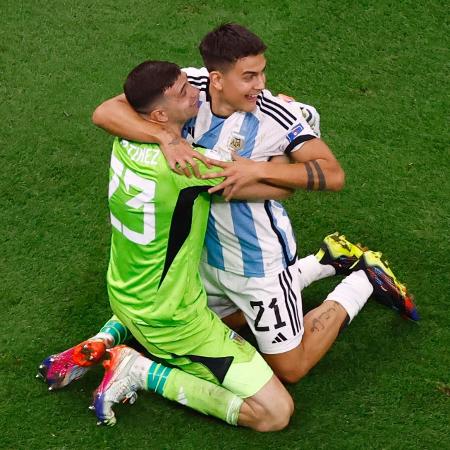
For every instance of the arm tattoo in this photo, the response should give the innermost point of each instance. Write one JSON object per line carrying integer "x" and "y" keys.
{"x": 310, "y": 175}
{"x": 322, "y": 182}
{"x": 175, "y": 141}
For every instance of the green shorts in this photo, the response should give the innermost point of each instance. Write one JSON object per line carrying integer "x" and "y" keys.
{"x": 206, "y": 348}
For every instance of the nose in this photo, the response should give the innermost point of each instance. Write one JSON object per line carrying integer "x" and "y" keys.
{"x": 260, "y": 81}
{"x": 194, "y": 92}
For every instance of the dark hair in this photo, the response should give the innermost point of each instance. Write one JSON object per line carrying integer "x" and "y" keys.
{"x": 224, "y": 45}
{"x": 147, "y": 82}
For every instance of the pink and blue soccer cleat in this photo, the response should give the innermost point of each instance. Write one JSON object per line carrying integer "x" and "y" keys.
{"x": 118, "y": 385}
{"x": 387, "y": 290}
{"x": 61, "y": 369}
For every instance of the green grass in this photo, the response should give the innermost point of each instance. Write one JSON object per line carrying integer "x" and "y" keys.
{"x": 378, "y": 73}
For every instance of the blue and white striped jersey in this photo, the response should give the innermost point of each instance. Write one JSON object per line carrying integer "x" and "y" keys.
{"x": 253, "y": 239}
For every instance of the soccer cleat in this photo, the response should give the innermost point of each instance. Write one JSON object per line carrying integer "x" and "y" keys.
{"x": 118, "y": 385}
{"x": 61, "y": 369}
{"x": 387, "y": 290}
{"x": 339, "y": 253}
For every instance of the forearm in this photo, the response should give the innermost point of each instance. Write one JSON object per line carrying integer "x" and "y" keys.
{"x": 313, "y": 167}
{"x": 317, "y": 174}
{"x": 118, "y": 118}
{"x": 263, "y": 191}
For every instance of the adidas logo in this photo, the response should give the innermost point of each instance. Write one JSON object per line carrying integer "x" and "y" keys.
{"x": 279, "y": 338}
{"x": 181, "y": 398}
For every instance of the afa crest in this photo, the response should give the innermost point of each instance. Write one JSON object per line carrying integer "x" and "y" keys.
{"x": 236, "y": 142}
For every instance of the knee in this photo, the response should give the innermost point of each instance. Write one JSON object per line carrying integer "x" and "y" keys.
{"x": 276, "y": 418}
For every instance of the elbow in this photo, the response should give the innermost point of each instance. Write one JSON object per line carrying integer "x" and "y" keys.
{"x": 97, "y": 116}
{"x": 337, "y": 180}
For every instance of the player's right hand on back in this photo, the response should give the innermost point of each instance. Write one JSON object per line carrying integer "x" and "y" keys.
{"x": 181, "y": 157}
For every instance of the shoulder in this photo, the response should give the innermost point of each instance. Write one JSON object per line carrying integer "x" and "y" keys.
{"x": 197, "y": 77}
{"x": 276, "y": 110}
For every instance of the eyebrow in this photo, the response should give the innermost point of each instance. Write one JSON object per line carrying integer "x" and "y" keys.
{"x": 183, "y": 87}
{"x": 247, "y": 72}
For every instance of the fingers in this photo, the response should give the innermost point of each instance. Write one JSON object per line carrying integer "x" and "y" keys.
{"x": 219, "y": 187}
{"x": 201, "y": 157}
{"x": 228, "y": 193}
{"x": 218, "y": 163}
{"x": 175, "y": 167}
{"x": 187, "y": 164}
{"x": 286, "y": 98}
{"x": 212, "y": 175}
{"x": 181, "y": 168}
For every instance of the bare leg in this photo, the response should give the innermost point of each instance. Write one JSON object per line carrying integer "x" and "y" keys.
{"x": 235, "y": 321}
{"x": 322, "y": 326}
{"x": 270, "y": 409}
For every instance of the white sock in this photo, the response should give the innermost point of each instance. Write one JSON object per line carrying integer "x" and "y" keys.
{"x": 139, "y": 371}
{"x": 352, "y": 292}
{"x": 311, "y": 270}
{"x": 107, "y": 338}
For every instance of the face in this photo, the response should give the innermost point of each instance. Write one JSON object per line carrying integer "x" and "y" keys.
{"x": 181, "y": 100}
{"x": 241, "y": 84}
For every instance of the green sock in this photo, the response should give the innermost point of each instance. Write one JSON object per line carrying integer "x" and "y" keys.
{"x": 202, "y": 395}
{"x": 113, "y": 332}
{"x": 196, "y": 393}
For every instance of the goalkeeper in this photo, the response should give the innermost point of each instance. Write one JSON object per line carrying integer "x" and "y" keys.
{"x": 159, "y": 221}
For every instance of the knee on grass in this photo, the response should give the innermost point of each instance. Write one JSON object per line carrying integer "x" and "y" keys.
{"x": 272, "y": 417}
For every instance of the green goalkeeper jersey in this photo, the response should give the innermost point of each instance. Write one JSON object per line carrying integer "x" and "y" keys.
{"x": 158, "y": 222}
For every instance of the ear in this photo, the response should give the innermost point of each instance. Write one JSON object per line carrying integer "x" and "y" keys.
{"x": 216, "y": 80}
{"x": 159, "y": 115}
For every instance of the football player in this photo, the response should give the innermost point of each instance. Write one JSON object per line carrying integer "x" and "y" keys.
{"x": 250, "y": 259}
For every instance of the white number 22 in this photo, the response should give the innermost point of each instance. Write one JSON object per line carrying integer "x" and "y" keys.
{"x": 141, "y": 200}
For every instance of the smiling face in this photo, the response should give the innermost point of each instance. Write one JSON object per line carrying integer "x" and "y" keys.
{"x": 180, "y": 101}
{"x": 238, "y": 87}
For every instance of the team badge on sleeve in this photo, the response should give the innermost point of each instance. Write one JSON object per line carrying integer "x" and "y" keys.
{"x": 295, "y": 132}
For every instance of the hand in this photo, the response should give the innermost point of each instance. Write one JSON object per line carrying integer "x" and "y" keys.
{"x": 239, "y": 173}
{"x": 311, "y": 115}
{"x": 180, "y": 156}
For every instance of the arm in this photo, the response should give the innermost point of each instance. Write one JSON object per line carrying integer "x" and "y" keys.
{"x": 212, "y": 177}
{"x": 314, "y": 167}
{"x": 118, "y": 118}
{"x": 260, "y": 191}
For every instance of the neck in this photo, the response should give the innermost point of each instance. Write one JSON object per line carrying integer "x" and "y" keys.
{"x": 173, "y": 127}
{"x": 219, "y": 106}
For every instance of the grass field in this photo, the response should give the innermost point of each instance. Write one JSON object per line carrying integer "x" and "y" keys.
{"x": 379, "y": 74}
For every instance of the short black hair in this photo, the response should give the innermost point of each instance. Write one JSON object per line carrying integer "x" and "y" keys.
{"x": 147, "y": 82}
{"x": 227, "y": 43}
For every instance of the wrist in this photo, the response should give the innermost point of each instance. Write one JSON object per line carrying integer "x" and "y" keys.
{"x": 165, "y": 137}
{"x": 262, "y": 172}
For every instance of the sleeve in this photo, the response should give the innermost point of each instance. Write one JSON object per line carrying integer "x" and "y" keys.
{"x": 297, "y": 135}
{"x": 292, "y": 129}
{"x": 196, "y": 76}
{"x": 183, "y": 181}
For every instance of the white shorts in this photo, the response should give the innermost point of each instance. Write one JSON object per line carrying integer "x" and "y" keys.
{"x": 272, "y": 305}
